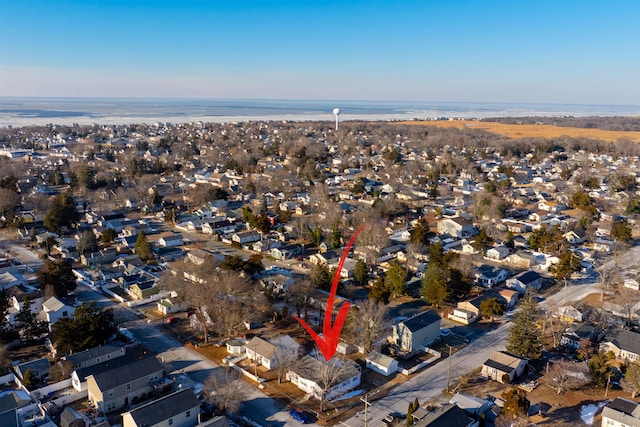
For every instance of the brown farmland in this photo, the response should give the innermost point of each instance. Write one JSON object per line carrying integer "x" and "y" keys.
{"x": 516, "y": 131}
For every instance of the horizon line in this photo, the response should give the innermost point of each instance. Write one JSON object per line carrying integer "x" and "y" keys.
{"x": 312, "y": 100}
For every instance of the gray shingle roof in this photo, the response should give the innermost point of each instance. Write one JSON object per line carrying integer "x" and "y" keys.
{"x": 124, "y": 374}
{"x": 169, "y": 406}
{"x": 92, "y": 353}
{"x": 421, "y": 320}
{"x": 624, "y": 340}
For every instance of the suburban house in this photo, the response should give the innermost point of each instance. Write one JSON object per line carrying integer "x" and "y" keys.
{"x": 502, "y": 366}
{"x": 573, "y": 336}
{"x": 471, "y": 404}
{"x": 457, "y": 227}
{"x": 488, "y": 276}
{"x": 575, "y": 237}
{"x": 179, "y": 409}
{"x": 306, "y": 374}
{"x": 116, "y": 388}
{"x": 171, "y": 240}
{"x": 621, "y": 413}
{"x": 510, "y": 296}
{"x": 54, "y": 308}
{"x": 445, "y": 415}
{"x": 381, "y": 363}
{"x": 40, "y": 367}
{"x": 417, "y": 331}
{"x": 144, "y": 289}
{"x": 80, "y": 375}
{"x": 245, "y": 237}
{"x": 270, "y": 354}
{"x": 525, "y": 280}
{"x": 8, "y": 411}
{"x": 69, "y": 417}
{"x": 468, "y": 311}
{"x": 624, "y": 344}
{"x": 497, "y": 252}
{"x": 93, "y": 356}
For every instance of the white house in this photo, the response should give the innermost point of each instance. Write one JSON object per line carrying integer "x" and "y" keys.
{"x": 502, "y": 365}
{"x": 54, "y": 308}
{"x": 307, "y": 372}
{"x": 621, "y": 413}
{"x": 271, "y": 354}
{"x": 245, "y": 237}
{"x": 171, "y": 240}
{"x": 381, "y": 363}
{"x": 498, "y": 252}
{"x": 525, "y": 280}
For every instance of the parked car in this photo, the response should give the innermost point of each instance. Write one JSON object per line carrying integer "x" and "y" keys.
{"x": 445, "y": 332}
{"x": 299, "y": 416}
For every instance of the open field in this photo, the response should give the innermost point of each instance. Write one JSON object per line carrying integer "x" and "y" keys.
{"x": 530, "y": 131}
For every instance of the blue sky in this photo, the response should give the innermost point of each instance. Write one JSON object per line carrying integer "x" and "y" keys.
{"x": 556, "y": 51}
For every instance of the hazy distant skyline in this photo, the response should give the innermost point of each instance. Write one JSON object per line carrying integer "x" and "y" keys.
{"x": 583, "y": 52}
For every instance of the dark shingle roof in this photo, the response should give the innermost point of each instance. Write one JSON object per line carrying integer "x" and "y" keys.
{"x": 625, "y": 340}
{"x": 117, "y": 376}
{"x": 107, "y": 365}
{"x": 446, "y": 416}
{"x": 421, "y": 320}
{"x": 169, "y": 406}
{"x": 528, "y": 277}
{"x": 92, "y": 353}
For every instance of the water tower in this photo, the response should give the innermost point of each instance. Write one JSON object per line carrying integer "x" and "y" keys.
{"x": 336, "y": 112}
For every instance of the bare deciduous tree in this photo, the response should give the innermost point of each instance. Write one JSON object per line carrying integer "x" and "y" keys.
{"x": 366, "y": 324}
{"x": 225, "y": 390}
{"x": 564, "y": 375}
{"x": 629, "y": 300}
{"x": 607, "y": 276}
{"x": 284, "y": 355}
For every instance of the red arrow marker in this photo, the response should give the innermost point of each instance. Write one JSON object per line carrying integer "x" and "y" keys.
{"x": 328, "y": 342}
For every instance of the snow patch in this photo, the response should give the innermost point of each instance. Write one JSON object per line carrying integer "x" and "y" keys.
{"x": 349, "y": 395}
{"x": 588, "y": 412}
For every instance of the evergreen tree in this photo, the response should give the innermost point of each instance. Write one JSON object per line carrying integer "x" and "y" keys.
{"x": 524, "y": 335}
{"x": 434, "y": 286}
{"x": 360, "y": 272}
{"x": 599, "y": 368}
{"x": 620, "y": 231}
{"x": 62, "y": 214}
{"x": 30, "y": 380}
{"x": 567, "y": 264}
{"x": 57, "y": 276}
{"x": 143, "y": 247}
{"x": 516, "y": 403}
{"x": 89, "y": 327}
{"x": 320, "y": 277}
{"x": 396, "y": 279}
{"x": 491, "y": 307}
{"x": 379, "y": 292}
{"x": 420, "y": 233}
{"x": 30, "y": 326}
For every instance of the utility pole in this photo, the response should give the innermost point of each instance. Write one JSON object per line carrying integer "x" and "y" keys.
{"x": 449, "y": 371}
{"x": 365, "y": 399}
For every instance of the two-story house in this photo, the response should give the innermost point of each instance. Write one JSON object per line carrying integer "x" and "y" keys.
{"x": 116, "y": 388}
{"x": 179, "y": 409}
{"x": 621, "y": 413}
{"x": 417, "y": 331}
